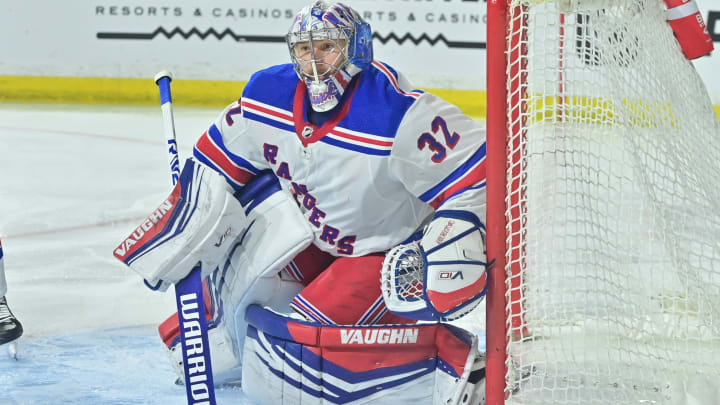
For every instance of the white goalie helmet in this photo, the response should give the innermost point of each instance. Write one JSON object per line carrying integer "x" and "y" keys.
{"x": 329, "y": 44}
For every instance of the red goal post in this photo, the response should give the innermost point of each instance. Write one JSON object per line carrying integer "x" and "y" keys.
{"x": 496, "y": 185}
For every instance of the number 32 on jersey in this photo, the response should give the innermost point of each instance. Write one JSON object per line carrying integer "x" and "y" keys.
{"x": 430, "y": 139}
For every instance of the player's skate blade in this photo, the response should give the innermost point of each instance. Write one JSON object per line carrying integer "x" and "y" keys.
{"x": 10, "y": 327}
{"x": 13, "y": 349}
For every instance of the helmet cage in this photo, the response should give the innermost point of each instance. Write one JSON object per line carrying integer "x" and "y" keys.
{"x": 322, "y": 65}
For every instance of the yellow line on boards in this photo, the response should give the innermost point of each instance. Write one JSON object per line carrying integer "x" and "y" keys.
{"x": 471, "y": 102}
{"x": 186, "y": 92}
{"x": 99, "y": 90}
{"x": 201, "y": 93}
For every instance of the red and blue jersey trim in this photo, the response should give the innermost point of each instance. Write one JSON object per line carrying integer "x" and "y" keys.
{"x": 211, "y": 151}
{"x": 392, "y": 76}
{"x": 365, "y": 143}
{"x": 267, "y": 114}
{"x": 470, "y": 174}
{"x": 304, "y": 307}
{"x": 293, "y": 270}
{"x": 376, "y": 311}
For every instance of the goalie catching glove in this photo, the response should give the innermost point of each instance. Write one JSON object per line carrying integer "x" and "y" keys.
{"x": 444, "y": 276}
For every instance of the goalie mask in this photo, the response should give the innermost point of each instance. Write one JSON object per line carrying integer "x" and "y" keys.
{"x": 329, "y": 44}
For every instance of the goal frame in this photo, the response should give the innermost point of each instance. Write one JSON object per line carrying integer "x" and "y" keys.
{"x": 504, "y": 58}
{"x": 507, "y": 95}
{"x": 497, "y": 132}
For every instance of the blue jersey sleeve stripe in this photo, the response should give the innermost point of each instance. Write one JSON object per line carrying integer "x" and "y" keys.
{"x": 478, "y": 156}
{"x": 216, "y": 137}
{"x": 307, "y": 306}
{"x": 465, "y": 190}
{"x": 356, "y": 148}
{"x": 392, "y": 75}
{"x": 207, "y": 162}
{"x": 259, "y": 118}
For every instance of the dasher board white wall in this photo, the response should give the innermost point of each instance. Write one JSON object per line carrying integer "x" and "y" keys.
{"x": 437, "y": 43}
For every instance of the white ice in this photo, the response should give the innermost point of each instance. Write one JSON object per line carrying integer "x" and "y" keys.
{"x": 74, "y": 182}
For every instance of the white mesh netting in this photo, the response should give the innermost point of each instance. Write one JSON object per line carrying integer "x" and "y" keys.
{"x": 614, "y": 209}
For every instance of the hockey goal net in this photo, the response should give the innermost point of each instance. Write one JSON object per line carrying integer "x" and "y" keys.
{"x": 607, "y": 231}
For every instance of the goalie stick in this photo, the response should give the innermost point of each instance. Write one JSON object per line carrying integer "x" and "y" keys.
{"x": 188, "y": 291}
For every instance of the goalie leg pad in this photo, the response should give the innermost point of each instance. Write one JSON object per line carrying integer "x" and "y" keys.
{"x": 250, "y": 274}
{"x": 294, "y": 362}
{"x": 225, "y": 366}
{"x": 274, "y": 231}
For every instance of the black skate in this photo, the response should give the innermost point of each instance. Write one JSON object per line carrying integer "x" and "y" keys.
{"x": 473, "y": 393}
{"x": 477, "y": 380}
{"x": 10, "y": 327}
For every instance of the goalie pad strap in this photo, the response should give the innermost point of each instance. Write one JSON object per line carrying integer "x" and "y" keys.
{"x": 257, "y": 190}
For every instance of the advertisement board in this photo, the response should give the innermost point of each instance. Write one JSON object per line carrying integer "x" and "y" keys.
{"x": 436, "y": 43}
{"x": 439, "y": 43}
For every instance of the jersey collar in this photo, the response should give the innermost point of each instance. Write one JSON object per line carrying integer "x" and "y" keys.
{"x": 308, "y": 133}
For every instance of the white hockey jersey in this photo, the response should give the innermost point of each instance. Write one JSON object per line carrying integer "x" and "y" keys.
{"x": 369, "y": 177}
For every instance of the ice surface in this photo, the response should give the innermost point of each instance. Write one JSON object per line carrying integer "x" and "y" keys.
{"x": 74, "y": 182}
{"x": 103, "y": 366}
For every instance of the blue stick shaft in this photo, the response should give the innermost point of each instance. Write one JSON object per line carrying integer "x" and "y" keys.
{"x": 163, "y": 80}
{"x": 199, "y": 385}
{"x": 188, "y": 291}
